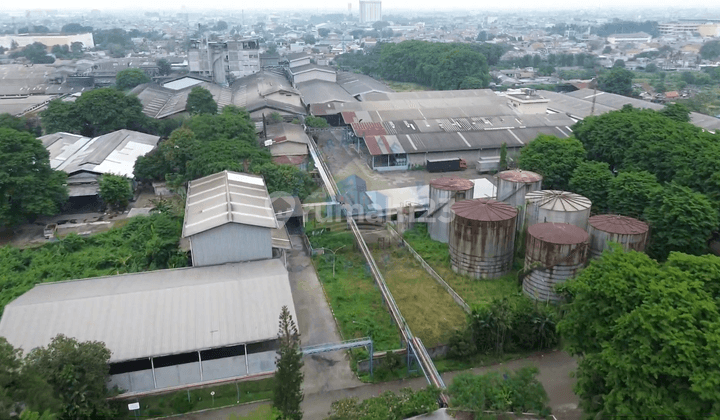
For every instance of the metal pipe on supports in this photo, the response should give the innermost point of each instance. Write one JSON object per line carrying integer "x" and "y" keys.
{"x": 152, "y": 366}
{"x": 372, "y": 353}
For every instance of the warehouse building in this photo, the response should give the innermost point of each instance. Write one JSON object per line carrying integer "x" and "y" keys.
{"x": 165, "y": 328}
{"x": 86, "y": 159}
{"x": 227, "y": 211}
{"x": 396, "y": 131}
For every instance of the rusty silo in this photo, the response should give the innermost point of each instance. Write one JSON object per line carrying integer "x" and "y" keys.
{"x": 554, "y": 252}
{"x": 444, "y": 192}
{"x": 482, "y": 238}
{"x": 512, "y": 186}
{"x": 552, "y": 206}
{"x": 628, "y": 232}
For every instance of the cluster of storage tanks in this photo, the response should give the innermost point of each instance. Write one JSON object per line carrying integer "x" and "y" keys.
{"x": 559, "y": 233}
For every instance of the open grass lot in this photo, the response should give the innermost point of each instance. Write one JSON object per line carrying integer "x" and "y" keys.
{"x": 428, "y": 309}
{"x": 474, "y": 292}
{"x": 354, "y": 298}
{"x": 201, "y": 399}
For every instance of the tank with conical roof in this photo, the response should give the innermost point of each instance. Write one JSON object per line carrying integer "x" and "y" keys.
{"x": 630, "y": 233}
{"x": 444, "y": 192}
{"x": 482, "y": 238}
{"x": 554, "y": 252}
{"x": 553, "y": 206}
{"x": 512, "y": 186}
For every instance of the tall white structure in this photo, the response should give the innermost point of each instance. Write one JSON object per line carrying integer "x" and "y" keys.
{"x": 220, "y": 59}
{"x": 370, "y": 11}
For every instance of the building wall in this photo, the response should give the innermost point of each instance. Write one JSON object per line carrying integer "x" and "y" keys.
{"x": 229, "y": 243}
{"x": 301, "y": 62}
{"x": 370, "y": 11}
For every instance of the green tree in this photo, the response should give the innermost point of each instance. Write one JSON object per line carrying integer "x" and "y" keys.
{"x": 316, "y": 122}
{"x": 309, "y": 39}
{"x": 682, "y": 220}
{"x": 617, "y": 80}
{"x": 677, "y": 112}
{"x": 30, "y": 125}
{"x": 96, "y": 112}
{"x": 631, "y": 192}
{"x": 200, "y": 101}
{"x": 28, "y": 186}
{"x": 554, "y": 158}
{"x": 275, "y": 118}
{"x": 592, "y": 180}
{"x": 36, "y": 53}
{"x": 710, "y": 50}
{"x": 164, "y": 67}
{"x": 79, "y": 374}
{"x": 387, "y": 406}
{"x": 129, "y": 78}
{"x": 115, "y": 190}
{"x": 288, "y": 394}
{"x": 619, "y": 63}
{"x": 646, "y": 334}
{"x": 651, "y": 68}
{"x": 503, "y": 157}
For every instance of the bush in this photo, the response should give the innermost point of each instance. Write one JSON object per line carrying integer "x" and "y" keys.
{"x": 180, "y": 403}
{"x": 316, "y": 122}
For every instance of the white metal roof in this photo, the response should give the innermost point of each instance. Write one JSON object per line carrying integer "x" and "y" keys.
{"x": 227, "y": 197}
{"x": 183, "y": 83}
{"x": 157, "y": 312}
{"x": 112, "y": 153}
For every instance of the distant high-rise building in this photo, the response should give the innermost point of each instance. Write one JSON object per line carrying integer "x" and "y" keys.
{"x": 370, "y": 11}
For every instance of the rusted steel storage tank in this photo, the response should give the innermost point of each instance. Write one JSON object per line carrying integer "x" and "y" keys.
{"x": 552, "y": 206}
{"x": 554, "y": 252}
{"x": 630, "y": 233}
{"x": 444, "y": 192}
{"x": 482, "y": 238}
{"x": 512, "y": 186}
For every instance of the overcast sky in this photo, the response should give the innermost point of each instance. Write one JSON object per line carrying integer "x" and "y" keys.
{"x": 325, "y": 6}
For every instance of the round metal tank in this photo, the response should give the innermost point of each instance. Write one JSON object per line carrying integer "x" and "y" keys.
{"x": 631, "y": 234}
{"x": 512, "y": 186}
{"x": 482, "y": 238}
{"x": 552, "y": 206}
{"x": 444, "y": 192}
{"x": 554, "y": 252}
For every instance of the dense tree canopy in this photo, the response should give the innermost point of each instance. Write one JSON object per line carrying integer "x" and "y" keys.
{"x": 647, "y": 334}
{"x": 29, "y": 124}
{"x": 164, "y": 67}
{"x": 208, "y": 143}
{"x": 592, "y": 180}
{"x": 630, "y": 193}
{"x": 129, "y": 78}
{"x": 200, "y": 101}
{"x": 36, "y": 53}
{"x": 710, "y": 50}
{"x": 28, "y": 186}
{"x": 115, "y": 190}
{"x": 682, "y": 220}
{"x": 617, "y": 80}
{"x": 95, "y": 113}
{"x": 554, "y": 158}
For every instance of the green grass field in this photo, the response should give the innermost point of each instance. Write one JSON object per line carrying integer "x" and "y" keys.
{"x": 473, "y": 291}
{"x": 201, "y": 399}
{"x": 354, "y": 298}
{"x": 428, "y": 309}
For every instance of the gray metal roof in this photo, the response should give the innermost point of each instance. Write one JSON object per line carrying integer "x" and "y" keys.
{"x": 359, "y": 84}
{"x": 321, "y": 91}
{"x": 112, "y": 153}
{"x": 157, "y": 312}
{"x": 227, "y": 197}
{"x": 266, "y": 89}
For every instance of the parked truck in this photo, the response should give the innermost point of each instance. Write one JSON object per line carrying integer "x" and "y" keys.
{"x": 445, "y": 165}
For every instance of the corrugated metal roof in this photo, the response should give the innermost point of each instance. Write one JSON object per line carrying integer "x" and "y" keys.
{"x": 383, "y": 145}
{"x": 113, "y": 153}
{"x": 484, "y": 209}
{"x": 155, "y": 313}
{"x": 518, "y": 175}
{"x": 227, "y": 197}
{"x": 558, "y": 200}
{"x": 614, "y": 223}
{"x": 452, "y": 184}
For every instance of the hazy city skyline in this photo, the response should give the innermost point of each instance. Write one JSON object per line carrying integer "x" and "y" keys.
{"x": 341, "y": 6}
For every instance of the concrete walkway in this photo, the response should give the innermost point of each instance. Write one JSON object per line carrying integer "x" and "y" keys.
{"x": 555, "y": 368}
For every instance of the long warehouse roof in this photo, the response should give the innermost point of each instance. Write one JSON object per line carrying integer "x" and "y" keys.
{"x": 155, "y": 313}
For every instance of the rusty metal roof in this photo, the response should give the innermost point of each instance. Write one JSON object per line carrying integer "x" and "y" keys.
{"x": 362, "y": 129}
{"x": 558, "y": 233}
{"x": 383, "y": 145}
{"x": 452, "y": 184}
{"x": 518, "y": 175}
{"x": 484, "y": 209}
{"x": 558, "y": 200}
{"x": 615, "y": 223}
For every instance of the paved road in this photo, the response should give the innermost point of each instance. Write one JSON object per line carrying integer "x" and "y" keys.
{"x": 325, "y": 371}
